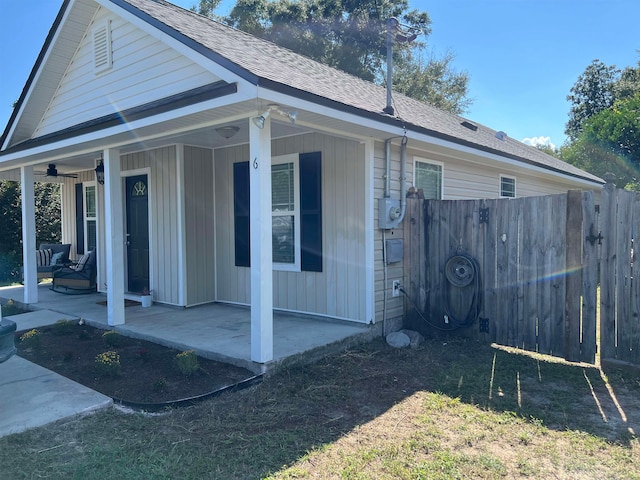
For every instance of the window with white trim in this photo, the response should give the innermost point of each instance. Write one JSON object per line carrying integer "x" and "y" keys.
{"x": 427, "y": 176}
{"x": 90, "y": 217}
{"x": 296, "y": 206}
{"x": 285, "y": 212}
{"x": 507, "y": 186}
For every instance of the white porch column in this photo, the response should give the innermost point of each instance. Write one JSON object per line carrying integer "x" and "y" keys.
{"x": 29, "y": 235}
{"x": 261, "y": 251}
{"x": 114, "y": 230}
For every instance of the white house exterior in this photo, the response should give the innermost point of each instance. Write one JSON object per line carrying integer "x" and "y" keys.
{"x": 146, "y": 86}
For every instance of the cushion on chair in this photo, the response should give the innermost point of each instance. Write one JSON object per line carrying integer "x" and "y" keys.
{"x": 58, "y": 247}
{"x": 82, "y": 262}
{"x": 43, "y": 257}
{"x": 57, "y": 258}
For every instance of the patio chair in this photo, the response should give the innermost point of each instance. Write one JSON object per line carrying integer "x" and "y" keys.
{"x": 77, "y": 278}
{"x": 50, "y": 256}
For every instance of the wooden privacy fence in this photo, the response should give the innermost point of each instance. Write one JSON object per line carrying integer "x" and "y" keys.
{"x": 524, "y": 272}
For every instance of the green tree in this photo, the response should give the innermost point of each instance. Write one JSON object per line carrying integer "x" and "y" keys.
{"x": 593, "y": 92}
{"x": 10, "y": 226}
{"x": 48, "y": 224}
{"x": 610, "y": 142}
{"x": 207, "y": 8}
{"x": 628, "y": 85}
{"x": 434, "y": 82}
{"x": 351, "y": 35}
{"x": 47, "y": 204}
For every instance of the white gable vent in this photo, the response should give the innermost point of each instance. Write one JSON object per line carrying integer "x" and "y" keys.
{"x": 102, "y": 59}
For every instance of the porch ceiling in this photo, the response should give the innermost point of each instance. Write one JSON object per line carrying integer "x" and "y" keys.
{"x": 80, "y": 153}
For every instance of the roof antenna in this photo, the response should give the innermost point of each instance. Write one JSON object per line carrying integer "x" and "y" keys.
{"x": 402, "y": 34}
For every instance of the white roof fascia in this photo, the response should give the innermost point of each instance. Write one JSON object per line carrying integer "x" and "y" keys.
{"x": 499, "y": 158}
{"x": 102, "y": 134}
{"x": 207, "y": 64}
{"x": 283, "y": 99}
{"x": 269, "y": 96}
{"x": 37, "y": 75}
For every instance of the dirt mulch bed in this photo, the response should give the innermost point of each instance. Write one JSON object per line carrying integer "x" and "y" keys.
{"x": 148, "y": 372}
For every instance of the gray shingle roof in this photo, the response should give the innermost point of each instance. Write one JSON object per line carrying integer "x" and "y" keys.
{"x": 270, "y": 65}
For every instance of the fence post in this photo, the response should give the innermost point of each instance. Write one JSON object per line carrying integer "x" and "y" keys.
{"x": 608, "y": 273}
{"x": 573, "y": 278}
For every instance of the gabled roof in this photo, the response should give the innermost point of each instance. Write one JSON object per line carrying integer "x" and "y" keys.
{"x": 270, "y": 66}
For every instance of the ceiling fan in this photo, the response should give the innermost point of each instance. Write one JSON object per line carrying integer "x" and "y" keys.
{"x": 52, "y": 171}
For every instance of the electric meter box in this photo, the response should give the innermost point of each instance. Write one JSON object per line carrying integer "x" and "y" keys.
{"x": 388, "y": 213}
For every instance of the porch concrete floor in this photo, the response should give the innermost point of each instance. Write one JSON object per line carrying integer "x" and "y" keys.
{"x": 217, "y": 331}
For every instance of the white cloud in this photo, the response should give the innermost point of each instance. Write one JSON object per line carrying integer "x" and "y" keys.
{"x": 539, "y": 141}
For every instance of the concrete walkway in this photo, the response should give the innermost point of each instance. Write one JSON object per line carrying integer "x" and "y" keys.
{"x": 32, "y": 396}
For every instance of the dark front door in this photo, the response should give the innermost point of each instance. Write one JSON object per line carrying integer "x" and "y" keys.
{"x": 137, "y": 200}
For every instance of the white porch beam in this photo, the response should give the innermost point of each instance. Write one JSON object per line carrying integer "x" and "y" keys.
{"x": 261, "y": 251}
{"x": 29, "y": 235}
{"x": 114, "y": 229}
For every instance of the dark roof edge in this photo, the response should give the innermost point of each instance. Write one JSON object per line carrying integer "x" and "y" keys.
{"x": 34, "y": 70}
{"x": 398, "y": 122}
{"x": 189, "y": 42}
{"x": 191, "y": 97}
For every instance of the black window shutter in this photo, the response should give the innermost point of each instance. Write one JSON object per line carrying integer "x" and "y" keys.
{"x": 79, "y": 219}
{"x": 311, "y": 211}
{"x": 241, "y": 202}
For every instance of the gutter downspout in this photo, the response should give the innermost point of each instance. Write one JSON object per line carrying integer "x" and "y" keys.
{"x": 403, "y": 178}
{"x": 387, "y": 173}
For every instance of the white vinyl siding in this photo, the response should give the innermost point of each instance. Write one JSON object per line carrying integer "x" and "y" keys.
{"x": 139, "y": 60}
{"x": 339, "y": 290}
{"x": 199, "y": 225}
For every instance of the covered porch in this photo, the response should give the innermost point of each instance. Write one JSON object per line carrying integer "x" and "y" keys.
{"x": 217, "y": 331}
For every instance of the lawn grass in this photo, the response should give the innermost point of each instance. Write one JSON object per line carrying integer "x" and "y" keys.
{"x": 449, "y": 409}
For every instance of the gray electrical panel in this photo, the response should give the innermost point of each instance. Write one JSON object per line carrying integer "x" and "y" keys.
{"x": 395, "y": 250}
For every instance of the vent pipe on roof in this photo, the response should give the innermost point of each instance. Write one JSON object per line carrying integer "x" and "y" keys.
{"x": 392, "y": 24}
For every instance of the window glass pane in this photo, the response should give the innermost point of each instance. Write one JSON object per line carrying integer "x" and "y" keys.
{"x": 91, "y": 235}
{"x": 282, "y": 193}
{"x": 507, "y": 187}
{"x": 428, "y": 177}
{"x": 90, "y": 201}
{"x": 283, "y": 239}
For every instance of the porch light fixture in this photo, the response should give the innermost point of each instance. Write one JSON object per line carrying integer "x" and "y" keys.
{"x": 100, "y": 173}
{"x": 292, "y": 115}
{"x": 259, "y": 121}
{"x": 227, "y": 131}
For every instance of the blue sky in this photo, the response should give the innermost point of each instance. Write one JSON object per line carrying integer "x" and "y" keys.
{"x": 522, "y": 56}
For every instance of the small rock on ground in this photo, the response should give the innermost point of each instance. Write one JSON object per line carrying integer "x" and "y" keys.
{"x": 398, "y": 340}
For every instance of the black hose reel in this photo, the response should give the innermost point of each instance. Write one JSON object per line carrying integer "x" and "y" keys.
{"x": 463, "y": 283}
